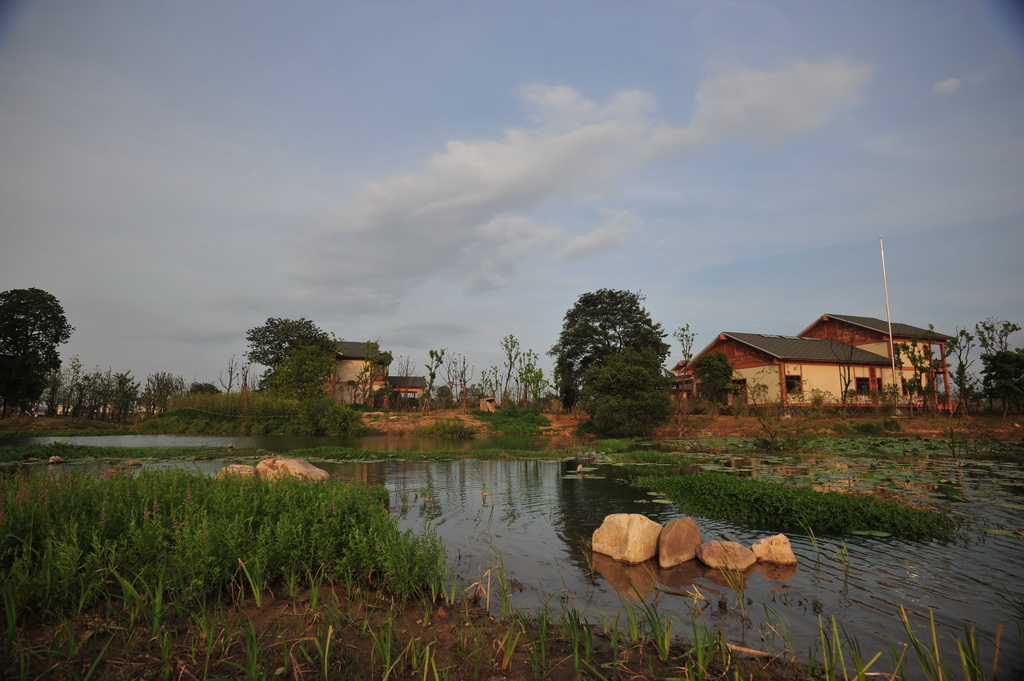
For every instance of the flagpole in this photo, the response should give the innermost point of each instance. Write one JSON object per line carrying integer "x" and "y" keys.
{"x": 888, "y": 318}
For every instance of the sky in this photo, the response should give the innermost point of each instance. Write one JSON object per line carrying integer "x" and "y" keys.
{"x": 445, "y": 173}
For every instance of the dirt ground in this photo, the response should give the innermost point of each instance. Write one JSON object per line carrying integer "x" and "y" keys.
{"x": 565, "y": 425}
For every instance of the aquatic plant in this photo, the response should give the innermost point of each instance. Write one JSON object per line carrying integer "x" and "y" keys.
{"x": 782, "y": 507}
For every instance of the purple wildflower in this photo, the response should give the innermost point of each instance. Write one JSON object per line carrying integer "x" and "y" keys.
{"x": 188, "y": 494}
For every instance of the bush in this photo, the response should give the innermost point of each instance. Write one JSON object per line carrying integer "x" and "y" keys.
{"x": 341, "y": 419}
{"x": 512, "y": 420}
{"x": 871, "y": 428}
{"x": 445, "y": 426}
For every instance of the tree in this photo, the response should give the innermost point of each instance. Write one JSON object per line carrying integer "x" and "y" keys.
{"x": 436, "y": 362}
{"x": 994, "y": 334}
{"x": 510, "y": 346}
{"x": 714, "y": 373}
{"x": 270, "y": 343}
{"x": 960, "y": 347}
{"x": 627, "y": 393}
{"x": 32, "y": 325}
{"x": 205, "y": 388}
{"x": 303, "y": 375}
{"x": 1003, "y": 377}
{"x": 161, "y": 387}
{"x": 600, "y": 324}
{"x": 234, "y": 370}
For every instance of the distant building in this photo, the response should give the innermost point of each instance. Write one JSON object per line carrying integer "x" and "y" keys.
{"x": 358, "y": 378}
{"x": 836, "y": 356}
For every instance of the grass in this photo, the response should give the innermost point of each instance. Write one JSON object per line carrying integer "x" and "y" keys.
{"x": 71, "y": 452}
{"x": 512, "y": 420}
{"x": 780, "y": 507}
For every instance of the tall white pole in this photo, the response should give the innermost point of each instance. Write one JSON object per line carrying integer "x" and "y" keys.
{"x": 888, "y": 319}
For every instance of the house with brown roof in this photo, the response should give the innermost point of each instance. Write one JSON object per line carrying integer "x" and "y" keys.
{"x": 838, "y": 359}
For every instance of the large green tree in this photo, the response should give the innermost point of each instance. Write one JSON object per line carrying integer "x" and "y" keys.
{"x": 271, "y": 343}
{"x": 303, "y": 374}
{"x": 600, "y": 324}
{"x": 714, "y": 375}
{"x": 32, "y": 325}
{"x": 626, "y": 394}
{"x": 1003, "y": 377}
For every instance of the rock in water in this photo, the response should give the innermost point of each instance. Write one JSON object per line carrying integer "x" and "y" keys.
{"x": 272, "y": 469}
{"x": 628, "y": 537}
{"x": 775, "y": 549}
{"x": 729, "y": 555}
{"x": 679, "y": 542}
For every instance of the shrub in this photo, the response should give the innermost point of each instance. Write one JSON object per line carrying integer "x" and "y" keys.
{"x": 341, "y": 419}
{"x": 512, "y": 420}
{"x": 445, "y": 426}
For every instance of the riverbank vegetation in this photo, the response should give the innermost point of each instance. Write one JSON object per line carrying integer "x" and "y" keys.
{"x": 180, "y": 576}
{"x": 782, "y": 507}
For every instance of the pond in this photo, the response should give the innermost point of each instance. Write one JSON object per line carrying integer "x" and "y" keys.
{"x": 535, "y": 517}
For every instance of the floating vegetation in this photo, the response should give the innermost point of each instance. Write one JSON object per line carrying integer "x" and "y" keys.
{"x": 782, "y": 507}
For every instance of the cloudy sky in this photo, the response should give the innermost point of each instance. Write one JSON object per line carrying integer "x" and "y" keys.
{"x": 443, "y": 173}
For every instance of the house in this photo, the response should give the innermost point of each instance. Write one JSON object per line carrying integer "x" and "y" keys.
{"x": 925, "y": 346}
{"x": 408, "y": 386}
{"x": 838, "y": 359}
{"x": 360, "y": 373}
{"x": 356, "y": 377}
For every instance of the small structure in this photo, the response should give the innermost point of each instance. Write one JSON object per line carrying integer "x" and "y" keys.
{"x": 488, "y": 405}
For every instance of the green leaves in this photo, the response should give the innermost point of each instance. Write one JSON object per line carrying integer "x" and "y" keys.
{"x": 32, "y": 325}
{"x": 600, "y": 324}
{"x": 782, "y": 507}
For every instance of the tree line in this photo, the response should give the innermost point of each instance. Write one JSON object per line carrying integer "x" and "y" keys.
{"x": 609, "y": 363}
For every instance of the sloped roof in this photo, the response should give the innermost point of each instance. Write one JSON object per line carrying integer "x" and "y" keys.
{"x": 882, "y": 326}
{"x": 351, "y": 349}
{"x": 807, "y": 349}
{"x": 407, "y": 382}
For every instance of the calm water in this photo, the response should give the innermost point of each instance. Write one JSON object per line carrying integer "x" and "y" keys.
{"x": 535, "y": 518}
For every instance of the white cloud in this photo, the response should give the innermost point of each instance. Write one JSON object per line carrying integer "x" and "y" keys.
{"x": 466, "y": 214}
{"x": 770, "y": 106}
{"x": 612, "y": 233}
{"x": 946, "y": 87}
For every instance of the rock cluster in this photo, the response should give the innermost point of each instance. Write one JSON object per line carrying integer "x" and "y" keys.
{"x": 633, "y": 538}
{"x": 272, "y": 469}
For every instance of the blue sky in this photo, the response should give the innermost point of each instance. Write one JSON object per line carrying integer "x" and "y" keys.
{"x": 442, "y": 174}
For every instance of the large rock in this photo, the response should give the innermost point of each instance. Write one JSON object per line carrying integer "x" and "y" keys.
{"x": 774, "y": 549}
{"x": 726, "y": 555}
{"x": 272, "y": 469}
{"x": 629, "y": 537}
{"x": 679, "y": 542}
{"x": 238, "y": 470}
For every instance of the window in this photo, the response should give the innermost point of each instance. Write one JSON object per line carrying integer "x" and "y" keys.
{"x": 863, "y": 385}
{"x": 794, "y": 384}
